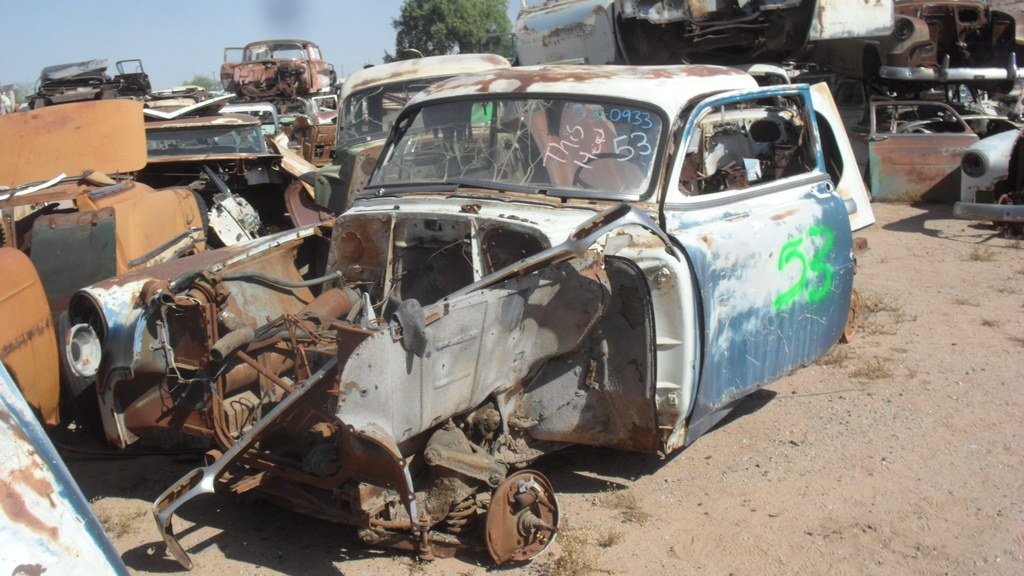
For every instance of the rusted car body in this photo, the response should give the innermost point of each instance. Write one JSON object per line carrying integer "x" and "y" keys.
{"x": 992, "y": 182}
{"x": 655, "y": 32}
{"x": 370, "y": 101}
{"x": 28, "y": 345}
{"x": 311, "y": 126}
{"x": 78, "y": 229}
{"x": 81, "y": 81}
{"x": 246, "y": 188}
{"x": 910, "y": 151}
{"x": 271, "y": 69}
{"x": 46, "y": 524}
{"x": 950, "y": 41}
{"x": 544, "y": 256}
{"x": 77, "y": 224}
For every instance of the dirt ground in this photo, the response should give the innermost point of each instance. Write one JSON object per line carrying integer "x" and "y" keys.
{"x": 899, "y": 453}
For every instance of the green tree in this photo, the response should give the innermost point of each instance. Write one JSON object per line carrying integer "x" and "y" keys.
{"x": 22, "y": 90}
{"x": 436, "y": 27}
{"x": 208, "y": 84}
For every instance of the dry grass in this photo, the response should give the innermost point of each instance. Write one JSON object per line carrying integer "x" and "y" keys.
{"x": 1007, "y": 289}
{"x": 872, "y": 302}
{"x": 626, "y": 504}
{"x": 837, "y": 357}
{"x": 982, "y": 254}
{"x": 965, "y": 302}
{"x": 874, "y": 369}
{"x": 884, "y": 313}
{"x": 610, "y": 538}
{"x": 118, "y": 523}
{"x": 992, "y": 322}
{"x": 1017, "y": 340}
{"x": 575, "y": 559}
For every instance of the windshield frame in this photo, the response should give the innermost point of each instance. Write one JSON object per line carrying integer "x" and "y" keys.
{"x": 179, "y": 134}
{"x": 409, "y": 113}
{"x": 341, "y": 141}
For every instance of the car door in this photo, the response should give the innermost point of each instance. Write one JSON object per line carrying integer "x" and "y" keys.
{"x": 914, "y": 151}
{"x": 768, "y": 242}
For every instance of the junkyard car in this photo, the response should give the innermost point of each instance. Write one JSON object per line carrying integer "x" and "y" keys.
{"x": 656, "y": 32}
{"x": 370, "y": 101}
{"x": 277, "y": 69}
{"x": 81, "y": 81}
{"x": 910, "y": 151}
{"x": 311, "y": 125}
{"x": 935, "y": 42}
{"x": 992, "y": 182}
{"x": 246, "y": 188}
{"x": 270, "y": 121}
{"x": 544, "y": 256}
{"x": 79, "y": 225}
{"x": 76, "y": 224}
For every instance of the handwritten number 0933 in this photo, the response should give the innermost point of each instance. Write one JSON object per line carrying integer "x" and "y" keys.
{"x": 791, "y": 252}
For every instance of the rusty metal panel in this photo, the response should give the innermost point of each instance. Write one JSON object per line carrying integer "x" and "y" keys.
{"x": 28, "y": 347}
{"x": 918, "y": 167}
{"x": 152, "y": 225}
{"x": 107, "y": 136}
{"x": 46, "y": 525}
{"x": 561, "y": 31}
{"x": 74, "y": 250}
{"x": 845, "y": 19}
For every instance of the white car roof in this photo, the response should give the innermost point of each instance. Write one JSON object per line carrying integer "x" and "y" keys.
{"x": 666, "y": 87}
{"x": 428, "y": 67}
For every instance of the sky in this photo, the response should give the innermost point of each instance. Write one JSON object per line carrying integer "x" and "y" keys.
{"x": 177, "y": 40}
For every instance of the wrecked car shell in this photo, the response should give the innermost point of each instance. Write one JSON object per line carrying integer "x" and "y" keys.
{"x": 277, "y": 69}
{"x": 83, "y": 81}
{"x": 991, "y": 187}
{"x": 953, "y": 41}
{"x": 543, "y": 257}
{"x": 910, "y": 151}
{"x": 87, "y": 227}
{"x": 247, "y": 190}
{"x": 654, "y": 32}
{"x": 371, "y": 99}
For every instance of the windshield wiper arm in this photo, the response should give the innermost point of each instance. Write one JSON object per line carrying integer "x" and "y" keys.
{"x": 491, "y": 185}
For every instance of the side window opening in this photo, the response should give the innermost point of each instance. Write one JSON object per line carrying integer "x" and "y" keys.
{"x": 746, "y": 143}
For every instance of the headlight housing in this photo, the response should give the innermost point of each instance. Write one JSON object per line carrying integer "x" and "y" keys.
{"x": 974, "y": 163}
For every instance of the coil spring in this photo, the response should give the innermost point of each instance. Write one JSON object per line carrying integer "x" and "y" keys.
{"x": 460, "y": 517}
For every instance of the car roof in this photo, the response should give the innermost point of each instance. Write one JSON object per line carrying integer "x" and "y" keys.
{"x": 428, "y": 67}
{"x": 282, "y": 41}
{"x": 666, "y": 87}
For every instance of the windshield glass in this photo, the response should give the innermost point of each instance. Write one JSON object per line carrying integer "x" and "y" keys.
{"x": 370, "y": 113}
{"x": 282, "y": 51}
{"x": 597, "y": 147}
{"x": 204, "y": 140}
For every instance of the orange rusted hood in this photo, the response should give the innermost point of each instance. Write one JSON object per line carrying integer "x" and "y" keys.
{"x": 106, "y": 135}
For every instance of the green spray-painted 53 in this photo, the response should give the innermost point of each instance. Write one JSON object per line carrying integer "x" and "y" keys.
{"x": 821, "y": 270}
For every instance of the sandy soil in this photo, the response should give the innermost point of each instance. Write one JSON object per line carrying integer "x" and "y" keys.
{"x": 898, "y": 453}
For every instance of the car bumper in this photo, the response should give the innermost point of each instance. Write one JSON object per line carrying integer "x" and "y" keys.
{"x": 988, "y": 212}
{"x": 946, "y": 74}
